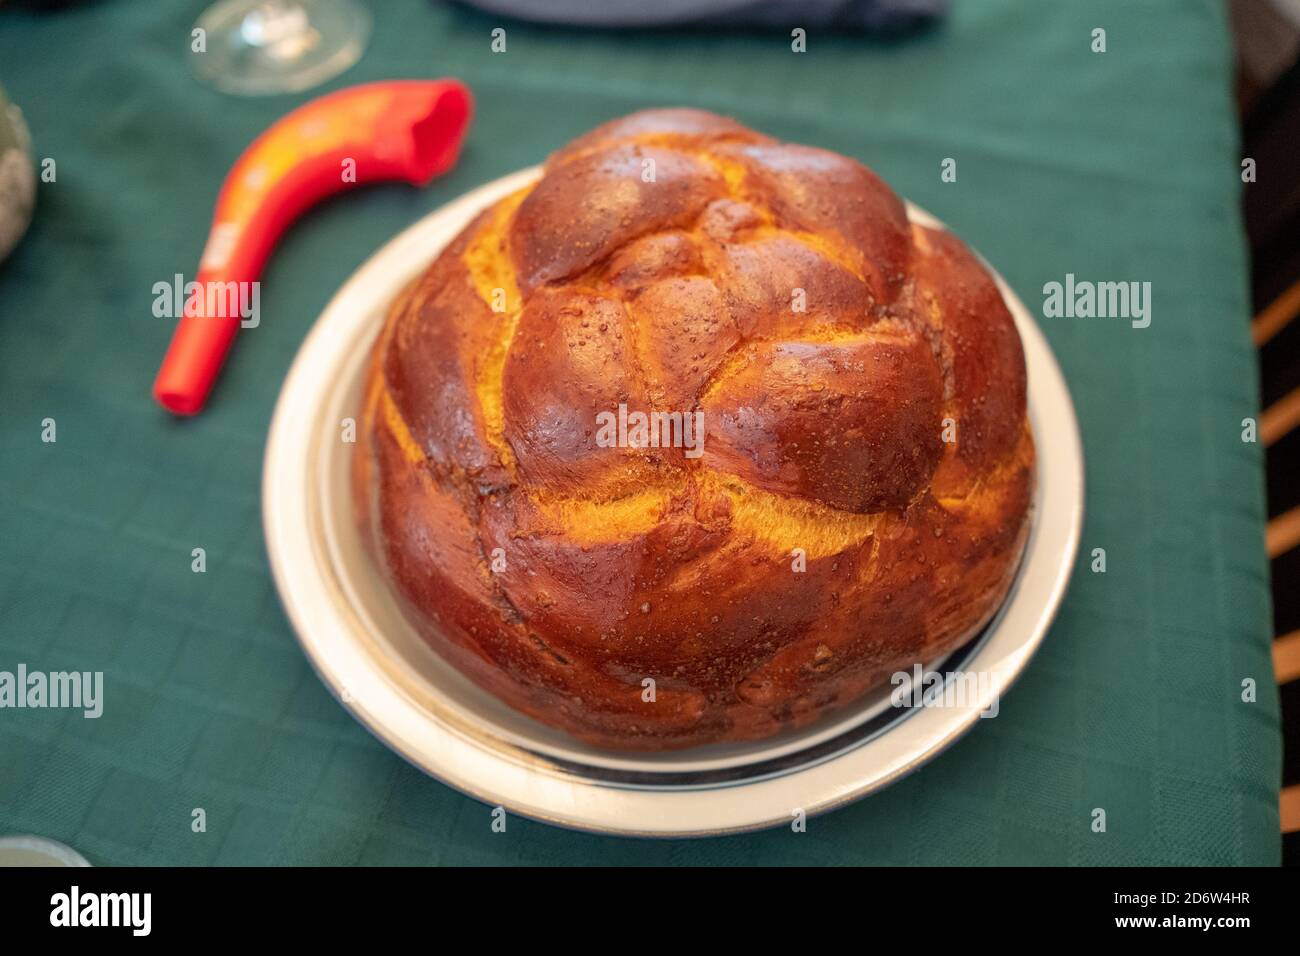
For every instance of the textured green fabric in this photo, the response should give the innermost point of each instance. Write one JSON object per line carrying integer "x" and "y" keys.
{"x": 1119, "y": 166}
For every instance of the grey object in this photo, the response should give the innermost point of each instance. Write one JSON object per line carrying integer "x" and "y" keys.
{"x": 884, "y": 16}
{"x": 17, "y": 176}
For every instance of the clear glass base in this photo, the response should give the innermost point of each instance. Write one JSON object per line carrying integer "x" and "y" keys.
{"x": 259, "y": 47}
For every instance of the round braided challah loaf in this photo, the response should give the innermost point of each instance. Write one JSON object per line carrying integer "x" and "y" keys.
{"x": 857, "y": 499}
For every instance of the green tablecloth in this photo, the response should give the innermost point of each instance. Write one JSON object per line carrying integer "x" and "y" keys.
{"x": 1119, "y": 166}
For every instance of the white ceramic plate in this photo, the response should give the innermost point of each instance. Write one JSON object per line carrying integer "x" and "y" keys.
{"x": 371, "y": 658}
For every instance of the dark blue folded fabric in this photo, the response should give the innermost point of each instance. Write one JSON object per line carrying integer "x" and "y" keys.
{"x": 871, "y": 15}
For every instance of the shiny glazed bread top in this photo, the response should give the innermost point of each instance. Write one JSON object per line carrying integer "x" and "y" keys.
{"x": 836, "y": 475}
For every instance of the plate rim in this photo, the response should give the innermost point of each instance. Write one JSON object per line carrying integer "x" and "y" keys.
{"x": 565, "y": 800}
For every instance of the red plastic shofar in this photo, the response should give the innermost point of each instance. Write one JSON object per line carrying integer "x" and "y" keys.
{"x": 408, "y": 130}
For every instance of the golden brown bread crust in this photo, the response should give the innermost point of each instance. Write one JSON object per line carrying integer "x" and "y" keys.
{"x": 823, "y": 433}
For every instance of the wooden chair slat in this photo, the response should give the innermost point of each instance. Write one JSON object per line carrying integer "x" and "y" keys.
{"x": 1290, "y": 807}
{"x": 1280, "y": 418}
{"x": 1276, "y": 316}
{"x": 1283, "y": 533}
{"x": 1286, "y": 657}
